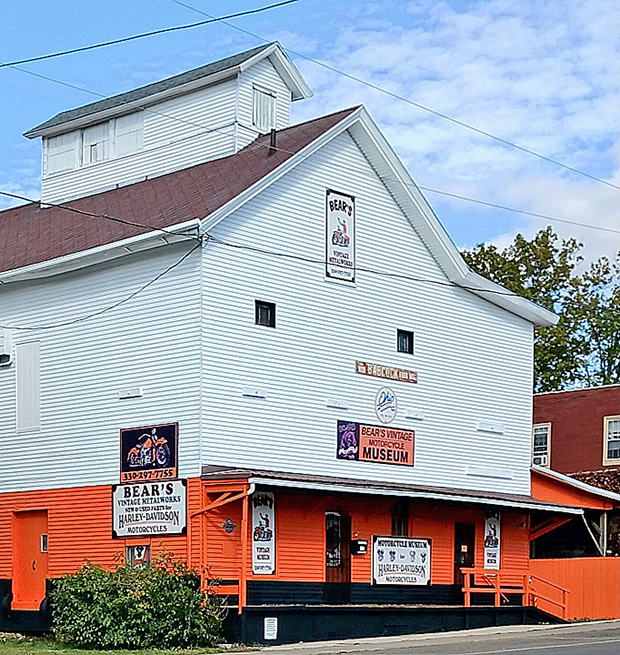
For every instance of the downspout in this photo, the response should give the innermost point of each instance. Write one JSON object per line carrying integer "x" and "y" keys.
{"x": 236, "y": 119}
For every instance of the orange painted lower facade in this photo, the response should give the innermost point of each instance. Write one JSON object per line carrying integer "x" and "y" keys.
{"x": 47, "y": 533}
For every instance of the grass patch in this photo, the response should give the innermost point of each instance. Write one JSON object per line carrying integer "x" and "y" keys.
{"x": 11, "y": 644}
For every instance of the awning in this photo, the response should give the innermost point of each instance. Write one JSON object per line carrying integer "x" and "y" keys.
{"x": 328, "y": 484}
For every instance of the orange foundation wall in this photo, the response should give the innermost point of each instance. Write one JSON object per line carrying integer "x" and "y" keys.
{"x": 300, "y": 537}
{"x": 80, "y": 527}
{"x": 593, "y": 584}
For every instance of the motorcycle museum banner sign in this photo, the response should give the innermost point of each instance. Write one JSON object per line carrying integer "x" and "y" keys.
{"x": 375, "y": 443}
{"x": 149, "y": 453}
{"x": 263, "y": 533}
{"x": 401, "y": 560}
{"x": 492, "y": 540}
{"x": 149, "y": 509}
{"x": 340, "y": 236}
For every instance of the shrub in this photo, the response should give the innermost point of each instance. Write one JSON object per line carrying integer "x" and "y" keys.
{"x": 130, "y": 607}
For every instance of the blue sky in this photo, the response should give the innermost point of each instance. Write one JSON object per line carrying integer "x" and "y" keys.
{"x": 544, "y": 75}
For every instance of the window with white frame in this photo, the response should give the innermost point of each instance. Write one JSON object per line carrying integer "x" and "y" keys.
{"x": 128, "y": 133}
{"x": 61, "y": 152}
{"x": 611, "y": 428}
{"x": 264, "y": 110}
{"x": 541, "y": 444}
{"x": 95, "y": 143}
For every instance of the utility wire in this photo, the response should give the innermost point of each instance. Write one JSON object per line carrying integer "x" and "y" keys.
{"x": 400, "y": 276}
{"x": 376, "y": 87}
{"x": 212, "y": 19}
{"x": 277, "y": 148}
{"x": 83, "y": 212}
{"x": 99, "y": 312}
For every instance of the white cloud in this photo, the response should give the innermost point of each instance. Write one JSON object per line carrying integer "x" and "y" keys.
{"x": 543, "y": 75}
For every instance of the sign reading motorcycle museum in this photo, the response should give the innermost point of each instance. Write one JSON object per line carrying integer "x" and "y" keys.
{"x": 149, "y": 453}
{"x": 401, "y": 560}
{"x": 149, "y": 509}
{"x": 340, "y": 236}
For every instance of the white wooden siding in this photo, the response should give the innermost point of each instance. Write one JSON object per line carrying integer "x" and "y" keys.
{"x": 178, "y": 133}
{"x": 264, "y": 76}
{"x": 151, "y": 341}
{"x": 474, "y": 359}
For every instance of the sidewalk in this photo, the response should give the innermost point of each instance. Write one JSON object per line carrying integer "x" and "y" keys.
{"x": 370, "y": 644}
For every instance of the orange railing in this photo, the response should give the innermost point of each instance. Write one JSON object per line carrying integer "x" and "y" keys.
{"x": 500, "y": 584}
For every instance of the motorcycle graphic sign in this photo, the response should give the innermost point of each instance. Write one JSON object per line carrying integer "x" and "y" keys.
{"x": 263, "y": 533}
{"x": 340, "y": 236}
{"x": 401, "y": 561}
{"x": 492, "y": 540}
{"x": 149, "y": 453}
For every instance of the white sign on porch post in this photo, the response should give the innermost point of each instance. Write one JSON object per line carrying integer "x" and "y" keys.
{"x": 263, "y": 533}
{"x": 492, "y": 541}
{"x": 340, "y": 236}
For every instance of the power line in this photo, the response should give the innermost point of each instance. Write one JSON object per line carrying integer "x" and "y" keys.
{"x": 256, "y": 146}
{"x": 212, "y": 19}
{"x": 110, "y": 307}
{"x": 400, "y": 276}
{"x": 376, "y": 87}
{"x": 83, "y": 212}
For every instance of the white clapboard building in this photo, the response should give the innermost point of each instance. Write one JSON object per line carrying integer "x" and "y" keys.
{"x": 264, "y": 329}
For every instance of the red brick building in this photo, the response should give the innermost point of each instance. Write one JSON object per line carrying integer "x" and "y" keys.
{"x": 577, "y": 430}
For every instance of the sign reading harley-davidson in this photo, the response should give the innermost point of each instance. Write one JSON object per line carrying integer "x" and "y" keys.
{"x": 149, "y": 453}
{"x": 340, "y": 236}
{"x": 149, "y": 508}
{"x": 387, "y": 372}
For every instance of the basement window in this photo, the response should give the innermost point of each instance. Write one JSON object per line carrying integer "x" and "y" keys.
{"x": 265, "y": 313}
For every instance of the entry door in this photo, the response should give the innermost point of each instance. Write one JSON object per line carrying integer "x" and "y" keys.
{"x": 464, "y": 549}
{"x": 29, "y": 559}
{"x": 337, "y": 558}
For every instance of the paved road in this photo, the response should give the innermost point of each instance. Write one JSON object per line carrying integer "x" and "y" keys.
{"x": 579, "y": 639}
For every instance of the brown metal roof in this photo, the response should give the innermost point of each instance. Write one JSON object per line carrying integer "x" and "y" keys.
{"x": 214, "y": 472}
{"x": 30, "y": 235}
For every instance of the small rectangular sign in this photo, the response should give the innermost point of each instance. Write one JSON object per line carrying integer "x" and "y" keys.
{"x": 401, "y": 561}
{"x": 386, "y": 372}
{"x": 340, "y": 236}
{"x": 149, "y": 453}
{"x": 149, "y": 508}
{"x": 263, "y": 533}
{"x": 492, "y": 540}
{"x": 375, "y": 443}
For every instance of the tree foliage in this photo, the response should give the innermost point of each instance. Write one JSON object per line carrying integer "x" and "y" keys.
{"x": 584, "y": 347}
{"x": 130, "y": 607}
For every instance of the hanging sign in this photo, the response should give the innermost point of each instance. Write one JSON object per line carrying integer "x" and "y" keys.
{"x": 387, "y": 372}
{"x": 401, "y": 561}
{"x": 149, "y": 508}
{"x": 340, "y": 236}
{"x": 263, "y": 534}
{"x": 149, "y": 453}
{"x": 492, "y": 540}
{"x": 375, "y": 443}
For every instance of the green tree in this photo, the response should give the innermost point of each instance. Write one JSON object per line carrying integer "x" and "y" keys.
{"x": 584, "y": 347}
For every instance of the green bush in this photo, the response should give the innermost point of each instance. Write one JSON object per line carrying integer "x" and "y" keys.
{"x": 130, "y": 607}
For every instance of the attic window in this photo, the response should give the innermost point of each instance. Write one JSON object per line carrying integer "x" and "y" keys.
{"x": 95, "y": 143}
{"x": 264, "y": 110}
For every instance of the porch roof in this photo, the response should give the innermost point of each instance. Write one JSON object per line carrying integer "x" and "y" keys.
{"x": 322, "y": 483}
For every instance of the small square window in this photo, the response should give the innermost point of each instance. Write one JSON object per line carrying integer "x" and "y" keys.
{"x": 265, "y": 313}
{"x": 404, "y": 342}
{"x": 44, "y": 543}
